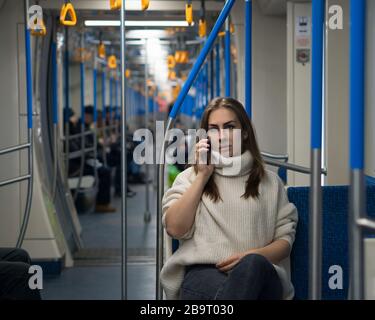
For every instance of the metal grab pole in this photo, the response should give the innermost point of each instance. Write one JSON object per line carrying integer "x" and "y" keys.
{"x": 147, "y": 215}
{"x": 124, "y": 243}
{"x": 83, "y": 138}
{"x": 104, "y": 116}
{"x": 227, "y": 59}
{"x": 357, "y": 202}
{"x": 117, "y": 113}
{"x": 217, "y": 67}
{"x": 212, "y": 75}
{"x": 29, "y": 101}
{"x": 67, "y": 103}
{"x": 95, "y": 119}
{"x": 55, "y": 115}
{"x": 110, "y": 110}
{"x": 176, "y": 107}
{"x": 248, "y": 57}
{"x": 315, "y": 218}
{"x": 205, "y": 84}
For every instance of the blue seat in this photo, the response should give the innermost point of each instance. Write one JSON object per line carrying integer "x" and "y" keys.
{"x": 335, "y": 238}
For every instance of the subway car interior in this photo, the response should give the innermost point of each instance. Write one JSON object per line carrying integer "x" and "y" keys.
{"x": 90, "y": 88}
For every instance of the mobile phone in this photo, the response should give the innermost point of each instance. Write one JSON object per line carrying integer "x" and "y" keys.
{"x": 209, "y": 150}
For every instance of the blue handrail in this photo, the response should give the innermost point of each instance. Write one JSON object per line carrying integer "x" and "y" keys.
{"x": 205, "y": 84}
{"x": 218, "y": 89}
{"x": 201, "y": 58}
{"x": 95, "y": 85}
{"x": 117, "y": 113}
{"x": 110, "y": 97}
{"x": 212, "y": 75}
{"x": 357, "y": 79}
{"x": 227, "y": 62}
{"x": 317, "y": 74}
{"x": 103, "y": 97}
{"x": 66, "y": 82}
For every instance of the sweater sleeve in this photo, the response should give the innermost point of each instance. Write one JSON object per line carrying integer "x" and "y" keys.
{"x": 287, "y": 216}
{"x": 180, "y": 185}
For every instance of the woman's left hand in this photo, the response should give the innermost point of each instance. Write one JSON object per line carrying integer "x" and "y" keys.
{"x": 230, "y": 262}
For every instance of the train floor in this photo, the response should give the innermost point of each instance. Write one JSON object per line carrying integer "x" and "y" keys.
{"x": 97, "y": 267}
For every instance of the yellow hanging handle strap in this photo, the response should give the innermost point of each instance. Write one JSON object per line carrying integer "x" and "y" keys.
{"x": 202, "y": 30}
{"x": 115, "y": 4}
{"x": 112, "y": 62}
{"x": 101, "y": 50}
{"x": 65, "y": 9}
{"x": 231, "y": 30}
{"x": 128, "y": 73}
{"x": 40, "y": 31}
{"x": 171, "y": 62}
{"x": 189, "y": 13}
{"x": 145, "y": 4}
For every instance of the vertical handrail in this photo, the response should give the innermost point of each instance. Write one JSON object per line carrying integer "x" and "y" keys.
{"x": 29, "y": 101}
{"x": 103, "y": 129}
{"x": 110, "y": 103}
{"x": 206, "y": 83}
{"x": 212, "y": 79}
{"x": 175, "y": 109}
{"x": 54, "y": 115}
{"x": 248, "y": 56}
{"x": 315, "y": 218}
{"x": 117, "y": 111}
{"x": 95, "y": 119}
{"x": 227, "y": 59}
{"x": 67, "y": 101}
{"x": 217, "y": 69}
{"x": 147, "y": 214}
{"x": 123, "y": 161}
{"x": 82, "y": 101}
{"x": 357, "y": 203}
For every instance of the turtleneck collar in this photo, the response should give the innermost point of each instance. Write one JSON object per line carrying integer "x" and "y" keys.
{"x": 233, "y": 166}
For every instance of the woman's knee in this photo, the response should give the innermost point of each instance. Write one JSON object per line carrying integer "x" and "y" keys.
{"x": 254, "y": 262}
{"x": 19, "y": 255}
{"x": 23, "y": 256}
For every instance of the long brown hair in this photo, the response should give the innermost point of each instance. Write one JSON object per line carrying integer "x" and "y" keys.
{"x": 249, "y": 142}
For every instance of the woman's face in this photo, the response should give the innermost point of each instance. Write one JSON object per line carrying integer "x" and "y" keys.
{"x": 224, "y": 130}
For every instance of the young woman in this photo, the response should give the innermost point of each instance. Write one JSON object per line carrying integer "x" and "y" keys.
{"x": 235, "y": 224}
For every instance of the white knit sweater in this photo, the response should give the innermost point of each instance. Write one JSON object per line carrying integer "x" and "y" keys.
{"x": 232, "y": 225}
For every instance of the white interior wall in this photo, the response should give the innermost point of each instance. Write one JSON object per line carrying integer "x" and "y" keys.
{"x": 298, "y": 95}
{"x": 337, "y": 100}
{"x": 12, "y": 103}
{"x": 40, "y": 240}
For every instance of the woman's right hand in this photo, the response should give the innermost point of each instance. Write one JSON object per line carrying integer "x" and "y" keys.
{"x": 201, "y": 159}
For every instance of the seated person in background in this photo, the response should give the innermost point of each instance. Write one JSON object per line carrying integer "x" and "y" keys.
{"x": 14, "y": 275}
{"x": 103, "y": 197}
{"x": 113, "y": 152}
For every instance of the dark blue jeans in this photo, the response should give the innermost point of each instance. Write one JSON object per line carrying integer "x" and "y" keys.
{"x": 252, "y": 278}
